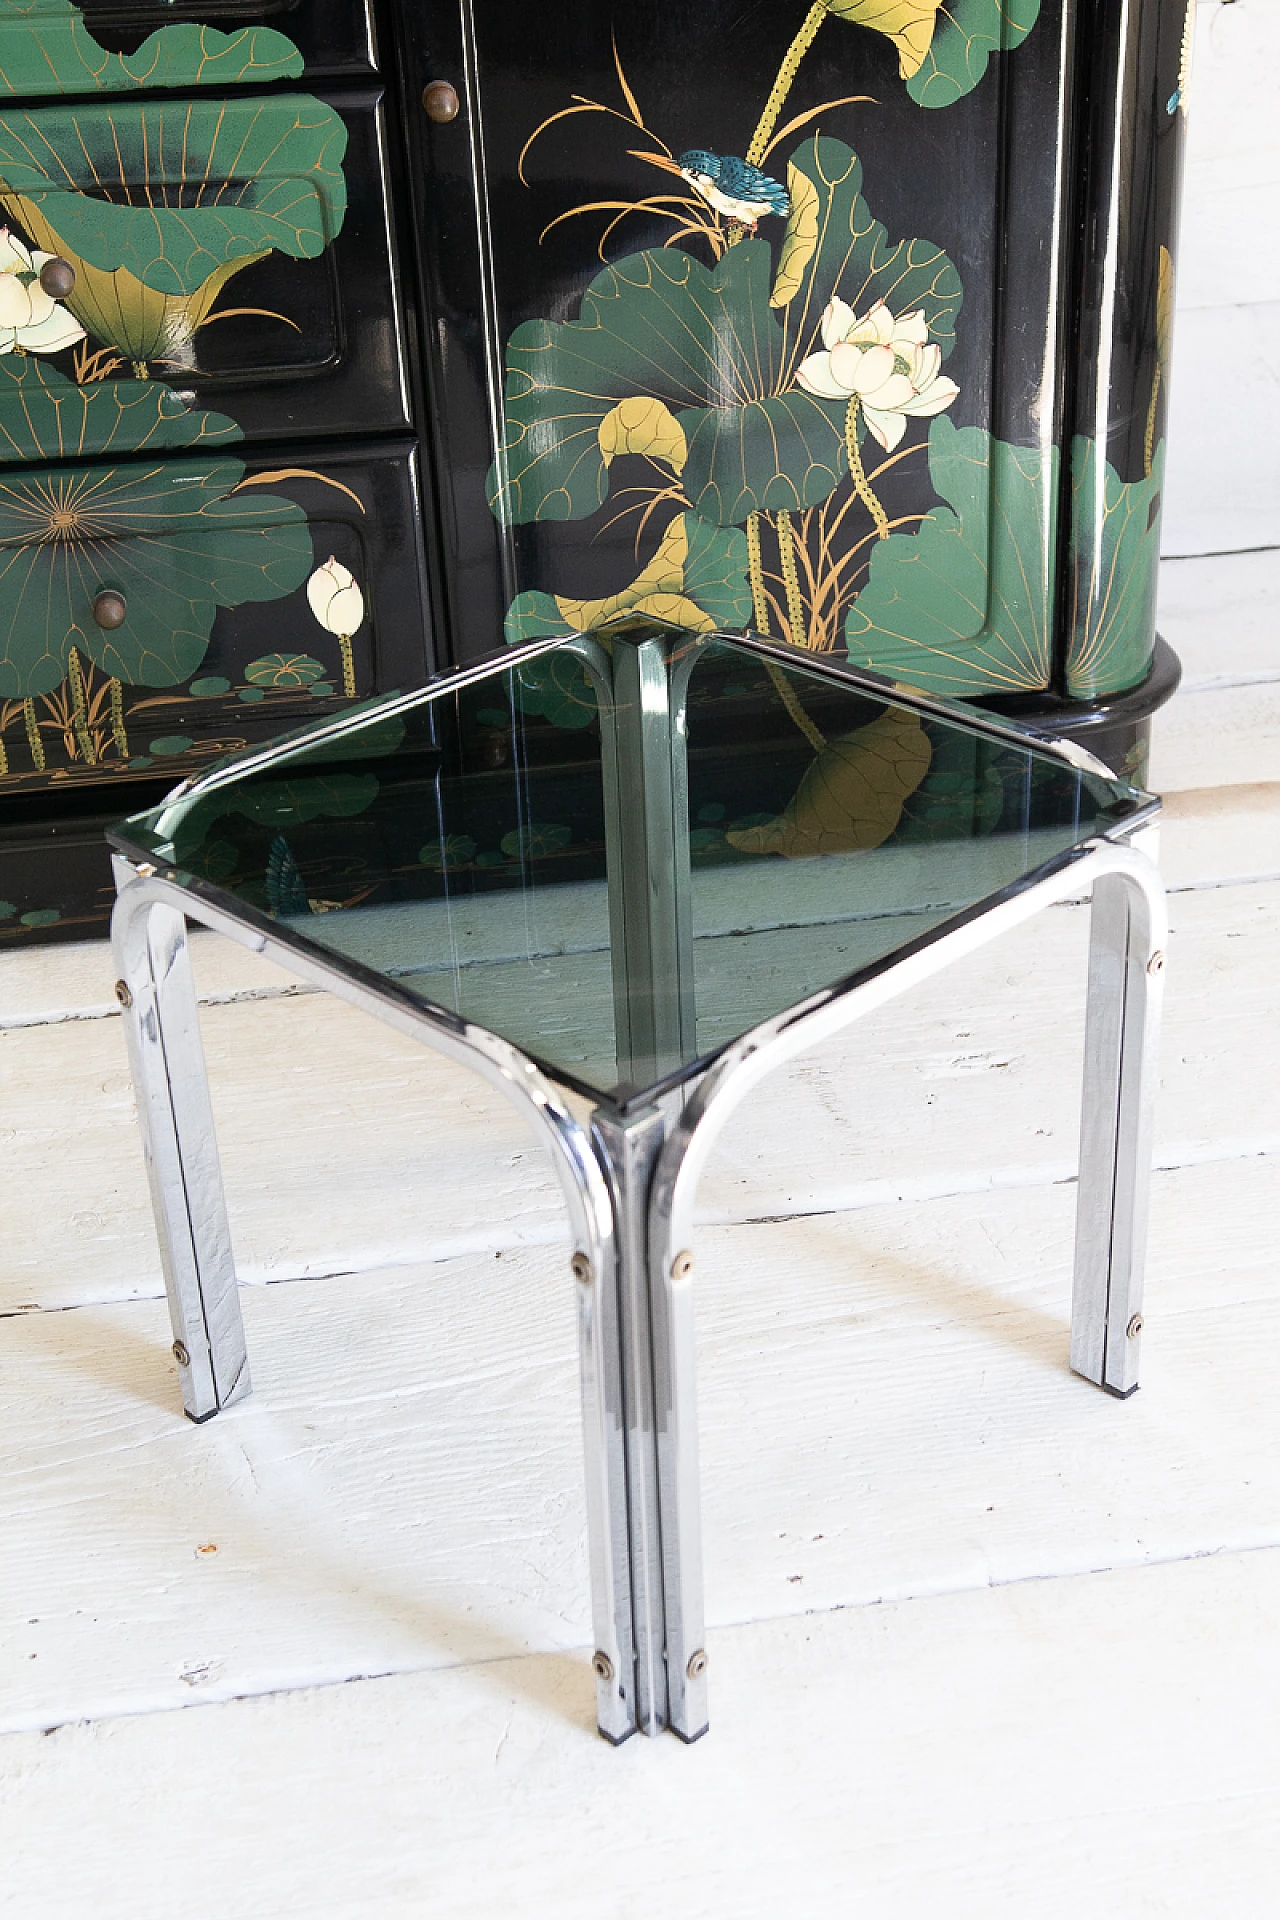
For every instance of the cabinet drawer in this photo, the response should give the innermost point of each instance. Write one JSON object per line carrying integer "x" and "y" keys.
{"x": 238, "y": 250}
{"x": 122, "y": 46}
{"x": 157, "y": 614}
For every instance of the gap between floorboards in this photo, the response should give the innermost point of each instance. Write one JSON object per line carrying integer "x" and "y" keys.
{"x": 298, "y": 989}
{"x": 29, "y": 1725}
{"x": 861, "y": 1198}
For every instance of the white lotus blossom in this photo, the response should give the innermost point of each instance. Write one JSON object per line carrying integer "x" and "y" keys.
{"x": 29, "y": 317}
{"x": 336, "y": 600}
{"x": 889, "y": 364}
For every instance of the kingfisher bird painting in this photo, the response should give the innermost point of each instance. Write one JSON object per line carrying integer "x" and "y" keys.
{"x": 734, "y": 188}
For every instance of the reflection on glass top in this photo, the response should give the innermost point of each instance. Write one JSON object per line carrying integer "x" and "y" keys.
{"x": 622, "y": 854}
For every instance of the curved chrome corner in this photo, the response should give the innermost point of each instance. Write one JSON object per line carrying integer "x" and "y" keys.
{"x": 586, "y": 1192}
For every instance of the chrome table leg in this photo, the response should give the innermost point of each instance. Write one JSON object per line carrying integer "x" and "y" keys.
{"x": 1119, "y": 1081}
{"x": 1126, "y": 963}
{"x": 675, "y": 1395}
{"x": 628, "y": 1150}
{"x": 162, "y": 1023}
{"x": 148, "y": 934}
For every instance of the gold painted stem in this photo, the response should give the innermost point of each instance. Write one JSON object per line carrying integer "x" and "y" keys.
{"x": 34, "y": 741}
{"x": 118, "y": 733}
{"x": 348, "y": 666}
{"x": 760, "y": 605}
{"x": 861, "y": 485}
{"x": 755, "y": 573}
{"x": 777, "y": 99}
{"x": 790, "y": 579}
{"x": 782, "y": 85}
{"x": 1148, "y": 443}
{"x": 791, "y": 701}
{"x": 80, "y": 710}
{"x": 4, "y": 760}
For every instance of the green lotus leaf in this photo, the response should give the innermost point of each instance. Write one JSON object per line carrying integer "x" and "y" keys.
{"x": 697, "y": 580}
{"x": 967, "y": 34}
{"x": 1114, "y": 555}
{"x": 535, "y": 842}
{"x": 786, "y": 451}
{"x": 171, "y": 538}
{"x": 856, "y": 259}
{"x": 715, "y": 572}
{"x": 908, "y": 23}
{"x": 281, "y": 803}
{"x": 709, "y": 347}
{"x": 173, "y": 191}
{"x": 217, "y": 861}
{"x": 373, "y": 741}
{"x": 962, "y": 606}
{"x": 961, "y": 796}
{"x": 170, "y": 744}
{"x": 290, "y": 670}
{"x": 272, "y": 803}
{"x": 557, "y": 687}
{"x": 800, "y": 240}
{"x": 45, "y": 47}
{"x": 650, "y": 325}
{"x": 455, "y": 850}
{"x": 45, "y": 416}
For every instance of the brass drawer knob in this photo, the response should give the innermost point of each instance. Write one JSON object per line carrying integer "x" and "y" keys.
{"x": 58, "y": 278}
{"x": 110, "y": 608}
{"x": 441, "y": 102}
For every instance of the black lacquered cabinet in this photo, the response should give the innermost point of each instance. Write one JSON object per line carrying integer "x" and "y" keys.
{"x": 211, "y": 514}
{"x": 446, "y": 325}
{"x": 281, "y": 39}
{"x": 1006, "y": 172}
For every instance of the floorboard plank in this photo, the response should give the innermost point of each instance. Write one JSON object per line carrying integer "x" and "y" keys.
{"x": 1222, "y": 489}
{"x": 1102, "y": 1744}
{"x": 886, "y": 1411}
{"x": 1217, "y": 737}
{"x": 1221, "y": 615}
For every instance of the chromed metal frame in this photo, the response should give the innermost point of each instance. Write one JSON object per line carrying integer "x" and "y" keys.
{"x": 630, "y": 1180}
{"x": 1128, "y": 936}
{"x": 148, "y": 937}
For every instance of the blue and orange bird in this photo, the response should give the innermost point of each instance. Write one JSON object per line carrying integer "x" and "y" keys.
{"x": 734, "y": 187}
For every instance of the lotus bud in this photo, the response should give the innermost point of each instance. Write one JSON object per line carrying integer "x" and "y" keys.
{"x": 336, "y": 600}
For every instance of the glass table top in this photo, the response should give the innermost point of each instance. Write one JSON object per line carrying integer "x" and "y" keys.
{"x": 622, "y": 853}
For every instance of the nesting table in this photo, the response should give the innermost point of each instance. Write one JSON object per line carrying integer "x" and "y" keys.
{"x": 645, "y": 869}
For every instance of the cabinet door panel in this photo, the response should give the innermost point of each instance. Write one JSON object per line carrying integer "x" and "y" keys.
{"x": 123, "y": 46}
{"x": 213, "y": 638}
{"x": 238, "y": 250}
{"x": 621, "y": 360}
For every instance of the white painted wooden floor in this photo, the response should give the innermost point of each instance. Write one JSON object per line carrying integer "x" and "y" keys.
{"x": 984, "y": 1642}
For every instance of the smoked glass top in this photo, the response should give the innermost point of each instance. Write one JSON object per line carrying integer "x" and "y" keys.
{"x": 622, "y": 854}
